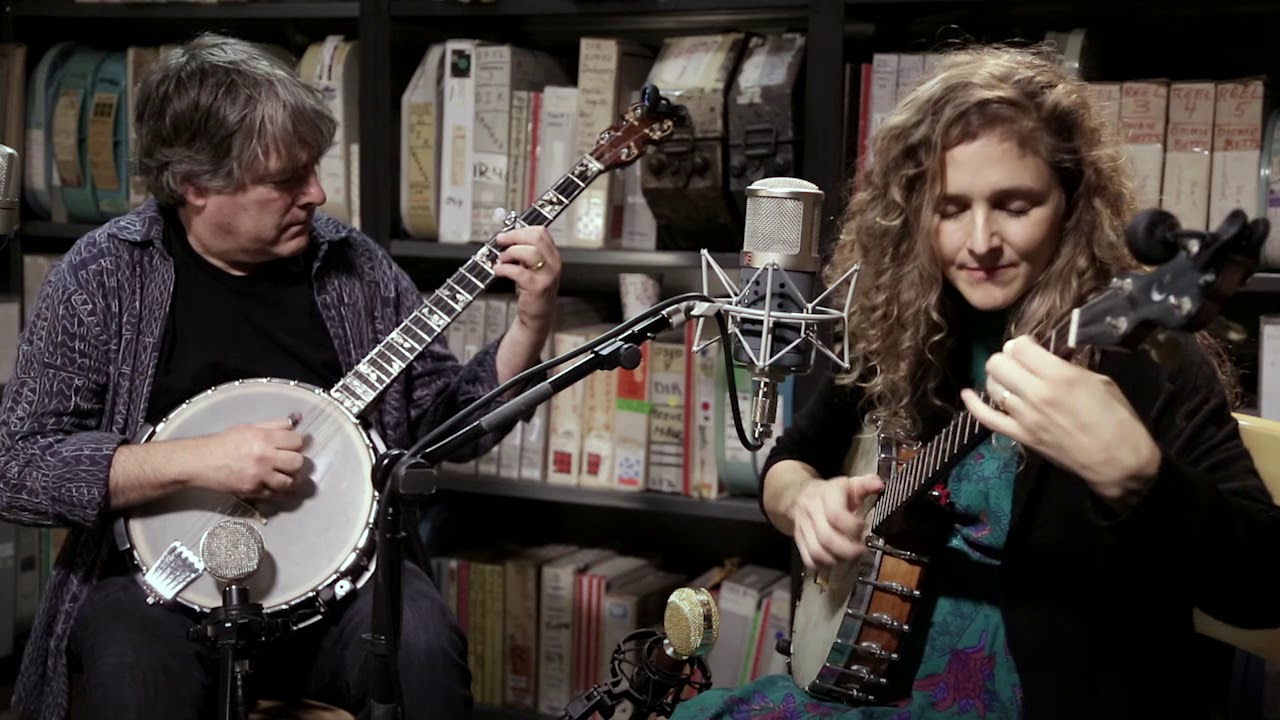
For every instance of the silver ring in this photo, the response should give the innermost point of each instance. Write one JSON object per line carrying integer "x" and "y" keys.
{"x": 1004, "y": 398}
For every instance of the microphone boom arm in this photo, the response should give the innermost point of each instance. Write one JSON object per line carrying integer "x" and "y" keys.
{"x": 622, "y": 351}
{"x": 399, "y": 474}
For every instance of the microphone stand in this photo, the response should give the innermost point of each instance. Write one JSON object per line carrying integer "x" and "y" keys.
{"x": 403, "y": 474}
{"x": 232, "y": 628}
{"x": 650, "y": 688}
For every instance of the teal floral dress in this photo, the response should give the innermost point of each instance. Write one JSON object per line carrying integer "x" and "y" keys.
{"x": 966, "y": 671}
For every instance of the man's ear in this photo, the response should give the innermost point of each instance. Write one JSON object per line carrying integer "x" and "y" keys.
{"x": 194, "y": 195}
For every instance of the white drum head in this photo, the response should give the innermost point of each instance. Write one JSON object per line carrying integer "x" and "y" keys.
{"x": 821, "y": 609}
{"x": 307, "y": 538}
{"x": 817, "y": 620}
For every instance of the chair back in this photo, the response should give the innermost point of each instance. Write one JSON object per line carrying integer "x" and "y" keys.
{"x": 1262, "y": 438}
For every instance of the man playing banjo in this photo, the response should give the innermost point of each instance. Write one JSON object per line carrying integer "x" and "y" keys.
{"x": 228, "y": 273}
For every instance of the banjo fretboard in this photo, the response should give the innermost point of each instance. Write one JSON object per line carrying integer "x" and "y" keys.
{"x": 937, "y": 457}
{"x": 384, "y": 363}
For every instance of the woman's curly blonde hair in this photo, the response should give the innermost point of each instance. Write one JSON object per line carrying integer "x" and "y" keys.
{"x": 898, "y": 334}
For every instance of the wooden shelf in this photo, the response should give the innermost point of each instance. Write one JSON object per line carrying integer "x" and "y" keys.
{"x": 45, "y": 230}
{"x": 1263, "y": 282}
{"x": 575, "y": 257}
{"x": 561, "y": 18}
{"x": 490, "y": 712}
{"x": 734, "y": 508}
{"x": 248, "y": 9}
{"x": 577, "y": 8}
{"x": 37, "y": 233}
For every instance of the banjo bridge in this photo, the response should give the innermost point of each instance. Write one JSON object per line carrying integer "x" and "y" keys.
{"x": 252, "y": 507}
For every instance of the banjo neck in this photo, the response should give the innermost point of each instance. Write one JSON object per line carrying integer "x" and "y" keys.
{"x": 930, "y": 463}
{"x": 380, "y": 367}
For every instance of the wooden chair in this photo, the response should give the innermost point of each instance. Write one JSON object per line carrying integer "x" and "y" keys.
{"x": 1262, "y": 438}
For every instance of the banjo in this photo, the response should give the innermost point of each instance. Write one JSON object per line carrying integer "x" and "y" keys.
{"x": 850, "y": 621}
{"x": 318, "y": 544}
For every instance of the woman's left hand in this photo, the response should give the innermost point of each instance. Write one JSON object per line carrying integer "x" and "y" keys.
{"x": 1073, "y": 417}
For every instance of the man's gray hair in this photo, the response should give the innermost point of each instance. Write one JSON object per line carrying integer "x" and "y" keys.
{"x": 219, "y": 113}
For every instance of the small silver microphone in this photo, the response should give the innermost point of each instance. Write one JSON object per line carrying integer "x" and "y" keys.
{"x": 231, "y": 550}
{"x": 10, "y": 189}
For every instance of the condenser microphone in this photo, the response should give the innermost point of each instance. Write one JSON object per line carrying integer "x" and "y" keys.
{"x": 781, "y": 232}
{"x": 10, "y": 189}
{"x": 231, "y": 550}
{"x": 691, "y": 625}
{"x": 775, "y": 324}
{"x": 655, "y": 670}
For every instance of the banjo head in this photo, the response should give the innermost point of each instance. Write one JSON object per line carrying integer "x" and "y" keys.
{"x": 843, "y": 627}
{"x": 818, "y": 618}
{"x": 312, "y": 539}
{"x": 825, "y": 596}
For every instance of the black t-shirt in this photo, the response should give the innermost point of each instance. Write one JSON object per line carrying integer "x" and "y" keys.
{"x": 223, "y": 327}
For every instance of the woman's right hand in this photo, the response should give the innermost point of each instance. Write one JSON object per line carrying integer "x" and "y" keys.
{"x": 252, "y": 461}
{"x": 829, "y": 521}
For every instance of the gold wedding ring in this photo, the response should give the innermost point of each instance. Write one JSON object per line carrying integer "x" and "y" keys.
{"x": 539, "y": 265}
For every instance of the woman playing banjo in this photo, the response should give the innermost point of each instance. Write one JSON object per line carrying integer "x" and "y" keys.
{"x": 1082, "y": 532}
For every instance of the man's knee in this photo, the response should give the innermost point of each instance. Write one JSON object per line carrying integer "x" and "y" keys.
{"x": 134, "y": 660}
{"x": 429, "y": 632}
{"x": 434, "y": 649}
{"x": 115, "y": 625}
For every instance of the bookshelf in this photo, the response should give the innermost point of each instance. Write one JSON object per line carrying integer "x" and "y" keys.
{"x": 44, "y": 236}
{"x": 732, "y": 508}
{"x": 572, "y": 257}
{"x": 609, "y": 9}
{"x": 1263, "y": 282}
{"x": 268, "y": 10}
{"x": 43, "y": 229}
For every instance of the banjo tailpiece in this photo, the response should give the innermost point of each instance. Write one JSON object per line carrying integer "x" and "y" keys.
{"x": 177, "y": 568}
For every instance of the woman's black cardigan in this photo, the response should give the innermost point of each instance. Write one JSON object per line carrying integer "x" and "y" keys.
{"x": 1098, "y": 605}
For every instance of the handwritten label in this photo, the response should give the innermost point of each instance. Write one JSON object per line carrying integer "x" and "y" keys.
{"x": 1237, "y": 120}
{"x": 421, "y": 173}
{"x": 102, "y": 135}
{"x": 66, "y": 137}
